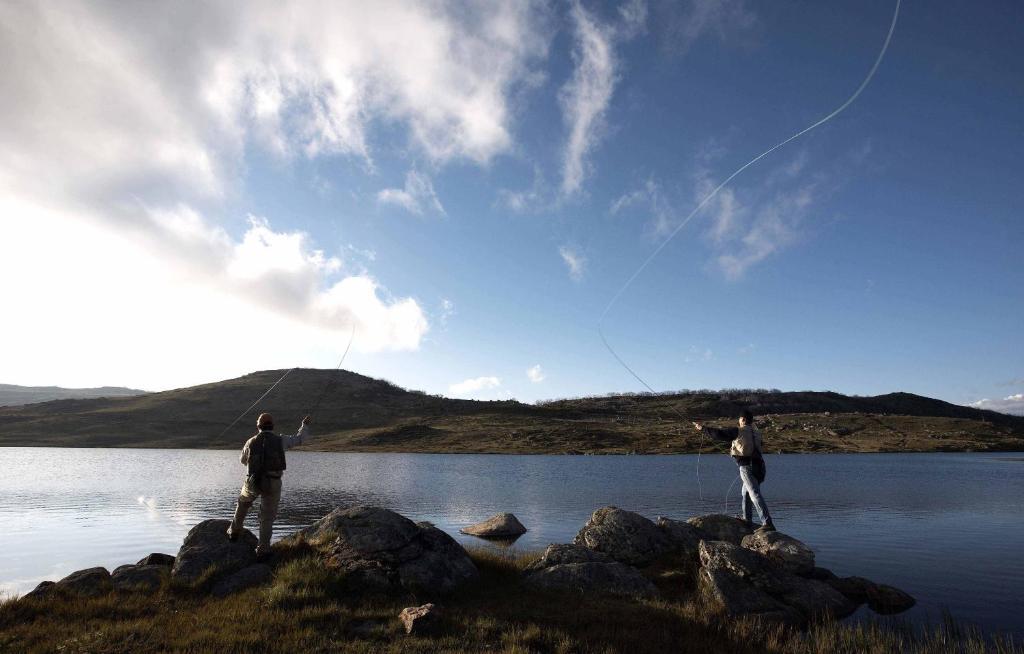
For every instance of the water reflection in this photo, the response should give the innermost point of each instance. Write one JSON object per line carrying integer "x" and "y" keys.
{"x": 938, "y": 525}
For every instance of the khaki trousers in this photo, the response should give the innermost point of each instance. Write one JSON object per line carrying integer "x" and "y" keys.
{"x": 268, "y": 511}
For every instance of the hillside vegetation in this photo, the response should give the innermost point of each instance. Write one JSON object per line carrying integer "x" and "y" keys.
{"x": 12, "y": 395}
{"x": 358, "y": 413}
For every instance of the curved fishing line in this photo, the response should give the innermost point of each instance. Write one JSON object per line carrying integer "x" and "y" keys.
{"x": 337, "y": 368}
{"x": 725, "y": 505}
{"x": 710, "y": 196}
{"x": 235, "y": 421}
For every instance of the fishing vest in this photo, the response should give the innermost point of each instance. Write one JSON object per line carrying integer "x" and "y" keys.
{"x": 266, "y": 454}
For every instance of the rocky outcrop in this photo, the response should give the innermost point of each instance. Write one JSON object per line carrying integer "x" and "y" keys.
{"x": 683, "y": 537}
{"x": 559, "y": 554}
{"x": 146, "y": 578}
{"x": 887, "y": 600}
{"x": 421, "y": 620}
{"x": 753, "y": 574}
{"x": 207, "y": 547}
{"x": 41, "y": 591}
{"x": 594, "y": 578}
{"x": 787, "y": 552}
{"x": 379, "y": 549}
{"x": 246, "y": 578}
{"x": 90, "y": 582}
{"x": 157, "y": 558}
{"x": 737, "y": 598}
{"x": 502, "y": 525}
{"x": 722, "y": 527}
{"x": 625, "y": 536}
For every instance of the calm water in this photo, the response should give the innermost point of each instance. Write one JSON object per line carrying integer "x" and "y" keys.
{"x": 947, "y": 528}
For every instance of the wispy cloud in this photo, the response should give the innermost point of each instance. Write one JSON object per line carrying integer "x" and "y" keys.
{"x": 446, "y": 312}
{"x": 417, "y": 194}
{"x": 474, "y": 386}
{"x": 686, "y": 22}
{"x": 574, "y": 261}
{"x": 1011, "y": 404}
{"x": 585, "y": 97}
{"x": 699, "y": 354}
{"x": 650, "y": 198}
{"x": 535, "y": 374}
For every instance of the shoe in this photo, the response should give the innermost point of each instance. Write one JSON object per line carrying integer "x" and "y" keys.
{"x": 766, "y": 527}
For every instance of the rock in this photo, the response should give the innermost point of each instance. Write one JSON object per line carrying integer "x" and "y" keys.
{"x": 594, "y": 577}
{"x": 502, "y": 525}
{"x": 789, "y": 553}
{"x": 887, "y": 600}
{"x": 738, "y": 598}
{"x": 247, "y": 577}
{"x": 853, "y": 588}
{"x": 722, "y": 527}
{"x": 821, "y": 574}
{"x": 207, "y": 546}
{"x": 43, "y": 590}
{"x": 140, "y": 577}
{"x": 684, "y": 537}
{"x": 749, "y": 566}
{"x": 625, "y": 536}
{"x": 421, "y": 620}
{"x": 381, "y": 550}
{"x": 558, "y": 554}
{"x": 157, "y": 559}
{"x": 816, "y": 599}
{"x": 90, "y": 582}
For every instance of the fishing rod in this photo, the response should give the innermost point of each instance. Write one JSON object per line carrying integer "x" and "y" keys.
{"x": 709, "y": 197}
{"x": 333, "y": 378}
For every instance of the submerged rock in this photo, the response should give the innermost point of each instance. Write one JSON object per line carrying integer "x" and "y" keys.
{"x": 722, "y": 527}
{"x": 380, "y": 549}
{"x": 207, "y": 547}
{"x": 594, "y": 577}
{"x": 247, "y": 577}
{"x": 501, "y": 525}
{"x": 887, "y": 600}
{"x": 625, "y": 536}
{"x": 421, "y": 620}
{"x": 140, "y": 577}
{"x": 789, "y": 553}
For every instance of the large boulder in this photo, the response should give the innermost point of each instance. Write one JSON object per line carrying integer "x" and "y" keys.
{"x": 733, "y": 596}
{"x": 502, "y": 525}
{"x": 156, "y": 558}
{"x": 853, "y": 588}
{"x": 625, "y": 536}
{"x": 146, "y": 578}
{"x": 246, "y": 578}
{"x": 722, "y": 527}
{"x": 207, "y": 547}
{"x": 815, "y": 599}
{"x": 91, "y": 582}
{"x": 380, "y": 549}
{"x": 43, "y": 590}
{"x": 747, "y": 565}
{"x": 559, "y": 554}
{"x": 594, "y": 577}
{"x": 787, "y": 552}
{"x": 683, "y": 537}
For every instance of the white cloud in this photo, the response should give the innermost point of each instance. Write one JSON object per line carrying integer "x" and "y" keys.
{"x": 729, "y": 20}
{"x": 473, "y": 386}
{"x": 585, "y": 97}
{"x": 1011, "y": 404}
{"x": 574, "y": 261}
{"x": 535, "y": 374}
{"x": 633, "y": 14}
{"x": 417, "y": 194}
{"x": 650, "y": 197}
{"x": 447, "y": 311}
{"x": 698, "y": 354}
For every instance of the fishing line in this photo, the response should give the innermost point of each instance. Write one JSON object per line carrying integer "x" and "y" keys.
{"x": 725, "y": 505}
{"x": 337, "y": 368}
{"x": 235, "y": 421}
{"x": 708, "y": 198}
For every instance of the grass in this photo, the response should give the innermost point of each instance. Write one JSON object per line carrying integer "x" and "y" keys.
{"x": 307, "y": 608}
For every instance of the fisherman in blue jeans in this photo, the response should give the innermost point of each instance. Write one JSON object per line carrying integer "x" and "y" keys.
{"x": 746, "y": 450}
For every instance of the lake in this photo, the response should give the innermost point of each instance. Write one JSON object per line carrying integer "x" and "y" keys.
{"x": 946, "y": 528}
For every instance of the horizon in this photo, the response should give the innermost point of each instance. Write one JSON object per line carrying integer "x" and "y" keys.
{"x": 468, "y": 188}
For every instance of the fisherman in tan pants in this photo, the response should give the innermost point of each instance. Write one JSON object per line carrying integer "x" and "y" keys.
{"x": 263, "y": 455}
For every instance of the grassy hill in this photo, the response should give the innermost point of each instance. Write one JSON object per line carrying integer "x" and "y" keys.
{"x": 12, "y": 395}
{"x": 363, "y": 414}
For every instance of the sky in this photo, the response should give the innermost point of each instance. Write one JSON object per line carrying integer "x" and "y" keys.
{"x": 190, "y": 193}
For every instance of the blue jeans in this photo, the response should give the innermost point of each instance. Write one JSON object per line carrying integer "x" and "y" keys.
{"x": 751, "y": 493}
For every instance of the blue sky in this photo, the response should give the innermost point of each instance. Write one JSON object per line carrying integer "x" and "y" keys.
{"x": 189, "y": 197}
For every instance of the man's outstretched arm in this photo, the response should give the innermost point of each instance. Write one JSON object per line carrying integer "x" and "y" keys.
{"x": 724, "y": 435}
{"x": 300, "y": 436}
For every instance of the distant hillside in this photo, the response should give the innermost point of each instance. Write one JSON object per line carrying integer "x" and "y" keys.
{"x": 12, "y": 395}
{"x": 363, "y": 414}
